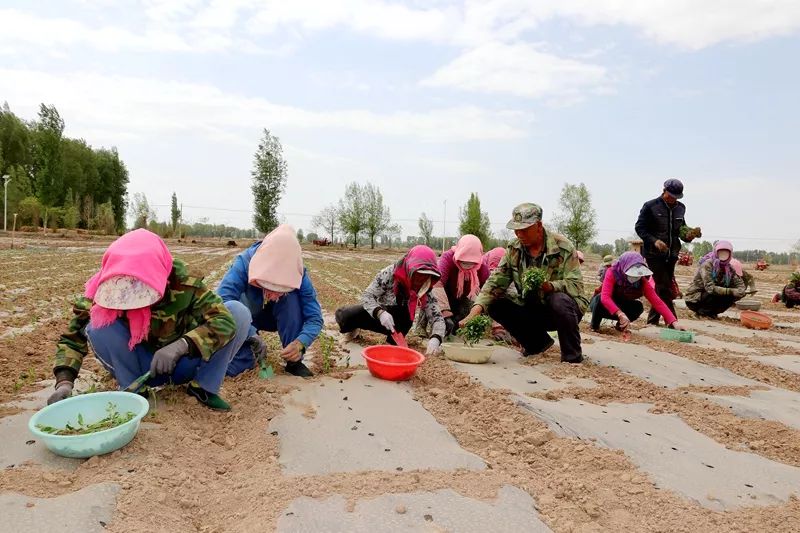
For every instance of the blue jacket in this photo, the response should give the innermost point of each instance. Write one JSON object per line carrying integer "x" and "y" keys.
{"x": 234, "y": 286}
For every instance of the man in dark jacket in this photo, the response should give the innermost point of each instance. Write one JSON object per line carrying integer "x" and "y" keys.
{"x": 662, "y": 226}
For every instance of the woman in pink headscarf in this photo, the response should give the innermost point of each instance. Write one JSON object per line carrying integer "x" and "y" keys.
{"x": 143, "y": 312}
{"x": 390, "y": 303}
{"x": 463, "y": 275}
{"x": 716, "y": 285}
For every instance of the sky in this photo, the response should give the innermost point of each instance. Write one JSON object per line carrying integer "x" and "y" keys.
{"x": 430, "y": 101}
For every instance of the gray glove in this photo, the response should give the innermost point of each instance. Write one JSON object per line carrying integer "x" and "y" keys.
{"x": 738, "y": 293}
{"x": 386, "y": 320}
{"x": 258, "y": 347}
{"x": 63, "y": 390}
{"x": 165, "y": 359}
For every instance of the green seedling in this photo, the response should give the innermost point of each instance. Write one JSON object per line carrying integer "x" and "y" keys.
{"x": 326, "y": 344}
{"x": 532, "y": 280}
{"x": 475, "y": 329}
{"x": 114, "y": 419}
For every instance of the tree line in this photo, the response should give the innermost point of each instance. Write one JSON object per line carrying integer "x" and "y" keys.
{"x": 56, "y": 181}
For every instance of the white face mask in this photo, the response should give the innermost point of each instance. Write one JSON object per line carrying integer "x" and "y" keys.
{"x": 723, "y": 255}
{"x": 425, "y": 288}
{"x": 633, "y": 279}
{"x": 466, "y": 265}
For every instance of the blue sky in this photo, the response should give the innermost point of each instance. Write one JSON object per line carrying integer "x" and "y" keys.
{"x": 431, "y": 101}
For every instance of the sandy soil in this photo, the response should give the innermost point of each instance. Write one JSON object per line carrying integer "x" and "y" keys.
{"x": 192, "y": 469}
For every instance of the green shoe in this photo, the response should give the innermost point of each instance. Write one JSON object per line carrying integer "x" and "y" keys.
{"x": 209, "y": 399}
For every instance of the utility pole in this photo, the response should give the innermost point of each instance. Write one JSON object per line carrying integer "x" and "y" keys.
{"x": 6, "y": 179}
{"x": 444, "y": 225}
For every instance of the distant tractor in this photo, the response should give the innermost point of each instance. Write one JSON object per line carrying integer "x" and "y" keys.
{"x": 685, "y": 259}
{"x": 321, "y": 242}
{"x": 762, "y": 264}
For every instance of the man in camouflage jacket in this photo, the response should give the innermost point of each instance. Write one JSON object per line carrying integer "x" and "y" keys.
{"x": 560, "y": 302}
{"x": 188, "y": 313}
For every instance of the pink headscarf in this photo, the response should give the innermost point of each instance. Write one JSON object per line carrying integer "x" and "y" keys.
{"x": 470, "y": 250}
{"x": 493, "y": 257}
{"x": 419, "y": 257}
{"x": 719, "y": 265}
{"x": 142, "y": 255}
{"x": 278, "y": 261}
{"x": 737, "y": 267}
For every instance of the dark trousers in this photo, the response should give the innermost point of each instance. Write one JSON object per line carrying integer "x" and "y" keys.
{"x": 663, "y": 272}
{"x": 355, "y": 317}
{"x": 711, "y": 304}
{"x": 633, "y": 309}
{"x": 530, "y": 323}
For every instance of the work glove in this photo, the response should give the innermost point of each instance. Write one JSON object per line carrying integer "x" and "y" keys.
{"x": 386, "y": 320}
{"x": 433, "y": 346}
{"x": 449, "y": 325}
{"x": 63, "y": 390}
{"x": 622, "y": 321}
{"x": 722, "y": 291}
{"x": 738, "y": 293}
{"x": 165, "y": 359}
{"x": 258, "y": 347}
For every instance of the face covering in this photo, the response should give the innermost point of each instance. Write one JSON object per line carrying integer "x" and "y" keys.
{"x": 633, "y": 279}
{"x": 426, "y": 286}
{"x": 724, "y": 255}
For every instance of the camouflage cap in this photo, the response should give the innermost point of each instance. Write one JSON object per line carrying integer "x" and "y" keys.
{"x": 524, "y": 216}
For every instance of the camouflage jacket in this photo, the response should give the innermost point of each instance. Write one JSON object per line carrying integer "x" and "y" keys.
{"x": 704, "y": 282}
{"x": 188, "y": 310}
{"x": 560, "y": 261}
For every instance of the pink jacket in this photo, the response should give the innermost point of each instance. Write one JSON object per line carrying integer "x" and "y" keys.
{"x": 658, "y": 304}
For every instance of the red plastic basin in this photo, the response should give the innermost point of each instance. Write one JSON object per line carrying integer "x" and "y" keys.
{"x": 393, "y": 363}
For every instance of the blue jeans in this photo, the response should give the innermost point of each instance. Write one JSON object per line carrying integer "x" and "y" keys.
{"x": 288, "y": 323}
{"x": 110, "y": 345}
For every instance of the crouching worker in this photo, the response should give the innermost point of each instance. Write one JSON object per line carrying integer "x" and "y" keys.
{"x": 269, "y": 285}
{"x": 463, "y": 273}
{"x": 143, "y": 312}
{"x": 790, "y": 295}
{"x": 557, "y": 305}
{"x": 390, "y": 302}
{"x": 624, "y": 283}
{"x": 715, "y": 286}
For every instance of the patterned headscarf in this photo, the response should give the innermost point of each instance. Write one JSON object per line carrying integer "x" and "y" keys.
{"x": 722, "y": 267}
{"x": 418, "y": 258}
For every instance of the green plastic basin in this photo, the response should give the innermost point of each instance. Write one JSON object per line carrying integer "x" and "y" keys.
{"x": 677, "y": 335}
{"x": 93, "y": 408}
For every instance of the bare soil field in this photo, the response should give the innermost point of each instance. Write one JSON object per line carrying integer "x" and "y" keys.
{"x": 195, "y": 470}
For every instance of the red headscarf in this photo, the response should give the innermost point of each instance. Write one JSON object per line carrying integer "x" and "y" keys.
{"x": 418, "y": 258}
{"x": 142, "y": 255}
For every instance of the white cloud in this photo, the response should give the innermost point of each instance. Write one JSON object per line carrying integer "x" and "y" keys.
{"x": 689, "y": 24}
{"x": 128, "y": 106}
{"x": 520, "y": 70}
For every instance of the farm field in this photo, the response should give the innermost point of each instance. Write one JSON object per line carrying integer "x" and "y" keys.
{"x": 647, "y": 435}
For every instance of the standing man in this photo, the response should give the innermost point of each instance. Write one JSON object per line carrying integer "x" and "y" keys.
{"x": 558, "y": 305}
{"x": 662, "y": 226}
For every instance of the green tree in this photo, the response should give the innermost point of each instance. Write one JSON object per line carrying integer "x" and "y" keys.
{"x": 269, "y": 181}
{"x": 474, "y": 221}
{"x": 105, "y": 220}
{"x": 328, "y": 220}
{"x": 620, "y": 246}
{"x": 300, "y": 236}
{"x": 353, "y": 212}
{"x": 425, "y": 228}
{"x": 311, "y": 237}
{"x": 141, "y": 212}
{"x": 175, "y": 213}
{"x": 30, "y": 211}
{"x": 577, "y": 218}
{"x": 47, "y": 161}
{"x": 14, "y": 141}
{"x": 699, "y": 249}
{"x": 379, "y": 218}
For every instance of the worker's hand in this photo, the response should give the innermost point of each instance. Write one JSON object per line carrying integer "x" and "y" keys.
{"x": 738, "y": 293}
{"x": 547, "y": 287}
{"x": 500, "y": 334}
{"x": 622, "y": 321}
{"x": 678, "y": 326}
{"x": 63, "y": 390}
{"x": 258, "y": 346}
{"x": 661, "y": 246}
{"x": 475, "y": 311}
{"x": 293, "y": 351}
{"x": 165, "y": 359}
{"x": 449, "y": 325}
{"x": 386, "y": 320}
{"x": 433, "y": 346}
